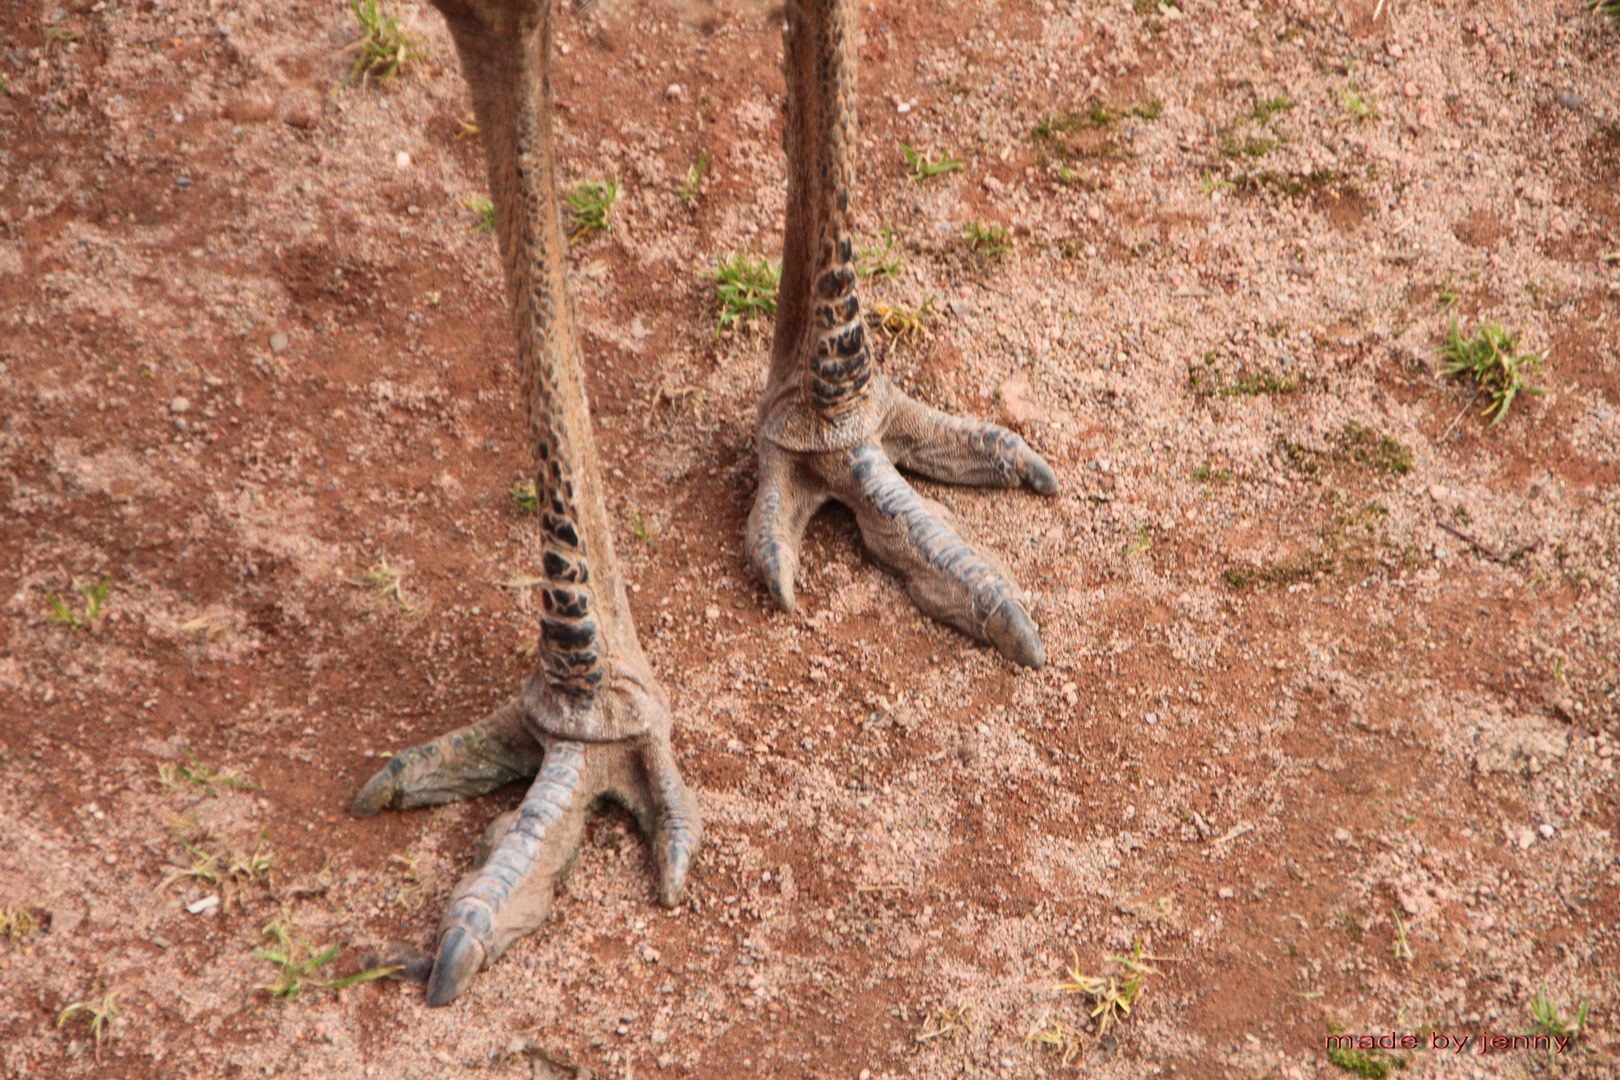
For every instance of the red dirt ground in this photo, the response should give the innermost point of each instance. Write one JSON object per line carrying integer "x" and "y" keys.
{"x": 1330, "y": 722}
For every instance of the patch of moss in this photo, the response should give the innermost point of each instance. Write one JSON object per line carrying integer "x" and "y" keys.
{"x": 1290, "y": 185}
{"x": 1360, "y": 1063}
{"x": 1354, "y": 445}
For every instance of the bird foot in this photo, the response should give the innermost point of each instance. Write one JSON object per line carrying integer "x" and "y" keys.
{"x": 528, "y": 852}
{"x": 948, "y": 577}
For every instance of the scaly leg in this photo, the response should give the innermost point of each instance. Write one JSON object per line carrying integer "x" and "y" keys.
{"x": 592, "y": 721}
{"x": 831, "y": 427}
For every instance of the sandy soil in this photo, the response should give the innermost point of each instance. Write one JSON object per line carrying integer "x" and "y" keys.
{"x": 1331, "y": 717}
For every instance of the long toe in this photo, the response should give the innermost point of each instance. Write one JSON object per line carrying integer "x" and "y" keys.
{"x": 957, "y": 451}
{"x": 677, "y": 831}
{"x": 783, "y": 505}
{"x": 947, "y": 577}
{"x": 461, "y": 764}
{"x": 511, "y": 893}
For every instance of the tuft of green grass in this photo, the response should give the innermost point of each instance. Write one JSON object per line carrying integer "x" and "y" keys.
{"x": 297, "y": 964}
{"x": 95, "y": 602}
{"x": 1544, "y": 1011}
{"x": 875, "y": 263}
{"x": 204, "y": 776}
{"x": 589, "y": 203}
{"x": 1149, "y": 110}
{"x": 99, "y": 1013}
{"x": 1608, "y": 8}
{"x": 1362, "y": 108}
{"x": 988, "y": 241}
{"x": 1067, "y": 1042}
{"x": 483, "y": 214}
{"x": 948, "y": 1023}
{"x": 1111, "y": 998}
{"x": 1491, "y": 357}
{"x": 1403, "y": 951}
{"x": 383, "y": 48}
{"x": 219, "y": 867}
{"x": 692, "y": 186}
{"x": 525, "y": 497}
{"x": 745, "y": 288}
{"x": 385, "y": 581}
{"x": 926, "y": 168}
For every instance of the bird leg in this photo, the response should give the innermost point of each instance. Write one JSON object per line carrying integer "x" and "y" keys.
{"x": 831, "y": 427}
{"x": 591, "y": 724}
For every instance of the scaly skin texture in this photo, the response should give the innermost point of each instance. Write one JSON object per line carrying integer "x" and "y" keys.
{"x": 592, "y": 721}
{"x": 592, "y": 724}
{"x": 830, "y": 426}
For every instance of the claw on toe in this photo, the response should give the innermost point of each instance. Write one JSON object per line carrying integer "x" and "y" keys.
{"x": 782, "y": 508}
{"x": 461, "y": 958}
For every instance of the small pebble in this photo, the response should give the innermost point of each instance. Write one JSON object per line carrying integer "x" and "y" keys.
{"x": 179, "y": 405}
{"x": 278, "y": 343}
{"x": 1546, "y": 831}
{"x": 1152, "y": 718}
{"x": 1226, "y": 894}
{"x": 205, "y": 904}
{"x": 1571, "y": 101}
{"x": 675, "y": 91}
{"x": 402, "y": 160}
{"x": 183, "y": 181}
{"x": 1410, "y": 90}
{"x": 1094, "y": 213}
{"x": 1438, "y": 493}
